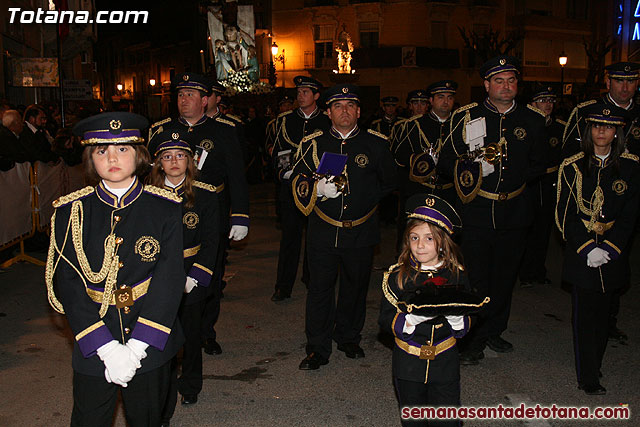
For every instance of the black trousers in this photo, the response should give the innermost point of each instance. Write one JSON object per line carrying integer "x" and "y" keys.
{"x": 492, "y": 258}
{"x": 190, "y": 381}
{"x": 590, "y": 331}
{"x": 94, "y": 399}
{"x": 537, "y": 242}
{"x": 411, "y": 393}
{"x": 212, "y": 307}
{"x": 324, "y": 319}
{"x": 293, "y": 224}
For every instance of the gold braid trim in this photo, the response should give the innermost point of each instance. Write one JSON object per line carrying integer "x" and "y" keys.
{"x": 226, "y": 122}
{"x": 204, "y": 186}
{"x": 389, "y": 295}
{"x": 376, "y": 133}
{"x": 50, "y": 268}
{"x": 110, "y": 263}
{"x": 536, "y": 109}
{"x": 166, "y": 194}
{"x": 630, "y": 157}
{"x": 73, "y": 196}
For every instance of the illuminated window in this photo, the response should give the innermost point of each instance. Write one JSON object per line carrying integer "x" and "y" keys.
{"x": 323, "y": 38}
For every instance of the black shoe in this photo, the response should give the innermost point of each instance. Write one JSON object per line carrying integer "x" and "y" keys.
{"x": 593, "y": 390}
{"x": 471, "y": 357}
{"x": 278, "y": 295}
{"x": 313, "y": 362}
{"x": 526, "y": 284}
{"x": 616, "y": 334}
{"x": 499, "y": 345}
{"x": 189, "y": 399}
{"x": 351, "y": 350}
{"x": 212, "y": 347}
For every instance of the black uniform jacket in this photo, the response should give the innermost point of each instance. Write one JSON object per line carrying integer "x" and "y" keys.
{"x": 421, "y": 136}
{"x": 371, "y": 174}
{"x": 406, "y": 362}
{"x": 575, "y": 125}
{"x": 146, "y": 228}
{"x": 223, "y": 166}
{"x": 384, "y": 125}
{"x": 201, "y": 236}
{"x": 598, "y": 209}
{"x": 497, "y": 201}
{"x": 290, "y": 128}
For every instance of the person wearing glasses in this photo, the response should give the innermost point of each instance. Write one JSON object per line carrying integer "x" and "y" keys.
{"x": 175, "y": 171}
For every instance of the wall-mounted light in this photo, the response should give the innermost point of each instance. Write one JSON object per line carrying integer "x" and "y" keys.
{"x": 119, "y": 86}
{"x": 274, "y": 49}
{"x": 152, "y": 82}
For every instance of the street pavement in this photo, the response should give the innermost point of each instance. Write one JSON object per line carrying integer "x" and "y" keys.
{"x": 256, "y": 381}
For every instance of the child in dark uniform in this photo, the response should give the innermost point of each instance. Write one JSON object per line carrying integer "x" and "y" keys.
{"x": 425, "y": 364}
{"x": 116, "y": 251}
{"x": 174, "y": 169}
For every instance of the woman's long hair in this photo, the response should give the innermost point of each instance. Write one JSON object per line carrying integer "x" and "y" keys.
{"x": 448, "y": 252}
{"x": 586, "y": 145}
{"x": 157, "y": 178}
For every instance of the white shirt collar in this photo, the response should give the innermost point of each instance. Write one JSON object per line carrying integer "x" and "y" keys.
{"x": 345, "y": 136}
{"x": 628, "y": 107}
{"x": 431, "y": 267}
{"x": 306, "y": 116}
{"x": 169, "y": 184}
{"x": 119, "y": 192}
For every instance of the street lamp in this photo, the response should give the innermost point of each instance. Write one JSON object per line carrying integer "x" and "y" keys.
{"x": 278, "y": 58}
{"x": 119, "y": 87}
{"x": 562, "y": 59}
{"x": 152, "y": 82}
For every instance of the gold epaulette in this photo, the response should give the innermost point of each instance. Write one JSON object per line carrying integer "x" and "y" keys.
{"x": 204, "y": 186}
{"x": 573, "y": 158}
{"x": 630, "y": 157}
{"x": 585, "y": 103}
{"x": 72, "y": 197}
{"x": 393, "y": 268}
{"x": 376, "y": 133}
{"x": 232, "y": 117}
{"x": 417, "y": 116}
{"x": 376, "y": 121}
{"x": 272, "y": 121}
{"x": 284, "y": 114}
{"x": 465, "y": 108}
{"x": 536, "y": 109}
{"x": 161, "y": 192}
{"x": 161, "y": 122}
{"x": 311, "y": 136}
{"x": 562, "y": 122}
{"x": 226, "y": 122}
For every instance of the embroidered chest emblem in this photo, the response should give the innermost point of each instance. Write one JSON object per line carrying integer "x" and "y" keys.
{"x": 147, "y": 247}
{"x": 190, "y": 219}
{"x": 619, "y": 186}
{"x": 422, "y": 166}
{"x": 362, "y": 160}
{"x": 303, "y": 189}
{"x": 635, "y": 132}
{"x": 466, "y": 179}
{"x": 207, "y": 144}
{"x": 520, "y": 133}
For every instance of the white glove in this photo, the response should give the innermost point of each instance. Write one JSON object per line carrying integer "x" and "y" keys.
{"x": 411, "y": 320}
{"x": 119, "y": 366}
{"x": 138, "y": 350}
{"x": 287, "y": 174}
{"x": 597, "y": 257}
{"x": 456, "y": 322}
{"x": 487, "y": 168}
{"x": 238, "y": 232}
{"x": 327, "y": 189}
{"x": 190, "y": 284}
